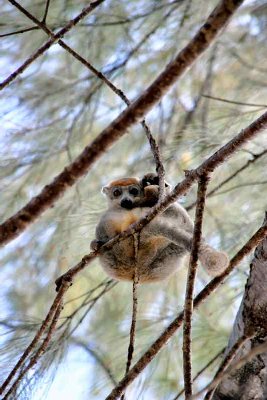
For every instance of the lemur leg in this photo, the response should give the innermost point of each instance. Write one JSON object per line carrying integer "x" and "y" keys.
{"x": 180, "y": 237}
{"x": 213, "y": 261}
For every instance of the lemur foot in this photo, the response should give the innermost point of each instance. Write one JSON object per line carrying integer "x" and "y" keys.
{"x": 214, "y": 262}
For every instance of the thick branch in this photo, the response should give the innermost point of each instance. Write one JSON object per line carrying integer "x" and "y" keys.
{"x": 153, "y": 144}
{"x": 66, "y": 280}
{"x": 16, "y": 224}
{"x": 191, "y": 176}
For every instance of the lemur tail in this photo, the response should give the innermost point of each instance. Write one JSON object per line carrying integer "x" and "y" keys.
{"x": 214, "y": 262}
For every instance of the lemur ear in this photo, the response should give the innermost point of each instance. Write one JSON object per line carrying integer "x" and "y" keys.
{"x": 105, "y": 190}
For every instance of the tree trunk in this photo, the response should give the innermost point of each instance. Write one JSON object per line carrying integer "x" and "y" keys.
{"x": 250, "y": 381}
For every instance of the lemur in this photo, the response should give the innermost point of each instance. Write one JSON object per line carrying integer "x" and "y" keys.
{"x": 162, "y": 243}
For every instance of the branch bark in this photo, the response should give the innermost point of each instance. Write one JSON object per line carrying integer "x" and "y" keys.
{"x": 191, "y": 276}
{"x": 250, "y": 381}
{"x": 16, "y": 224}
{"x": 154, "y": 349}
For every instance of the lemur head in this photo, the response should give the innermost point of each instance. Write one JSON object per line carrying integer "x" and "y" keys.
{"x": 124, "y": 192}
{"x": 130, "y": 193}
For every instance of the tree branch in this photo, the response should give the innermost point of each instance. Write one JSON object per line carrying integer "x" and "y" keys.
{"x": 65, "y": 281}
{"x": 149, "y": 355}
{"x": 239, "y": 103}
{"x": 16, "y": 224}
{"x": 50, "y": 42}
{"x": 251, "y": 320}
{"x": 201, "y": 371}
{"x": 255, "y": 351}
{"x": 191, "y": 276}
{"x": 225, "y": 364}
{"x": 48, "y": 324}
{"x": 232, "y": 176}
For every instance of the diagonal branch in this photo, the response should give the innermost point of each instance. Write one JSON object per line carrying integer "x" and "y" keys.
{"x": 50, "y": 42}
{"x": 191, "y": 276}
{"x": 45, "y": 325}
{"x": 201, "y": 371}
{"x": 16, "y": 224}
{"x": 41, "y": 350}
{"x": 66, "y": 280}
{"x": 232, "y": 176}
{"x": 206, "y": 167}
{"x": 101, "y": 76}
{"x": 255, "y": 351}
{"x": 154, "y": 349}
{"x": 226, "y": 362}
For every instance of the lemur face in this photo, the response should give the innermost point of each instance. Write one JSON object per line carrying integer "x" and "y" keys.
{"x": 125, "y": 193}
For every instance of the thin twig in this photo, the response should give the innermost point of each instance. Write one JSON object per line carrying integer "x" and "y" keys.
{"x": 227, "y": 361}
{"x": 49, "y": 43}
{"x": 232, "y": 176}
{"x": 46, "y": 11}
{"x": 32, "y": 28}
{"x": 38, "y": 353}
{"x": 16, "y": 224}
{"x": 136, "y": 238}
{"x": 260, "y": 349}
{"x": 37, "y": 337}
{"x": 191, "y": 276}
{"x": 90, "y": 304}
{"x": 153, "y": 144}
{"x": 201, "y": 371}
{"x": 153, "y": 350}
{"x": 239, "y": 103}
{"x": 93, "y": 353}
{"x": 206, "y": 83}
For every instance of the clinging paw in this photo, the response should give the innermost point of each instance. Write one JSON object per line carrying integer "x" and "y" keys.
{"x": 96, "y": 244}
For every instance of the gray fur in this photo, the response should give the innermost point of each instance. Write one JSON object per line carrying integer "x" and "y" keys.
{"x": 163, "y": 243}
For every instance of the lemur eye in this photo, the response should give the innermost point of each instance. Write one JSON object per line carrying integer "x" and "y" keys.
{"x": 134, "y": 191}
{"x": 116, "y": 192}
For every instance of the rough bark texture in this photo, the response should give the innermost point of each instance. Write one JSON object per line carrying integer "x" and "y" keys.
{"x": 250, "y": 381}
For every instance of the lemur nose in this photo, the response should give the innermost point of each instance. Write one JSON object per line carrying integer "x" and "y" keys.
{"x": 126, "y": 203}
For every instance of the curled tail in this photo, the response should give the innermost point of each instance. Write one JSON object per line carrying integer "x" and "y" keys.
{"x": 213, "y": 261}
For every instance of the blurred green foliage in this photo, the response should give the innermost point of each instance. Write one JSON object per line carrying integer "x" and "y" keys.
{"x": 55, "y": 108}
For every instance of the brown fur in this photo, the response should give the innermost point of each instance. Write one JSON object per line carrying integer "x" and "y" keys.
{"x": 124, "y": 182}
{"x": 162, "y": 244}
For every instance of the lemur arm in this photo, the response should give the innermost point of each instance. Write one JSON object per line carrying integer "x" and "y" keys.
{"x": 102, "y": 236}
